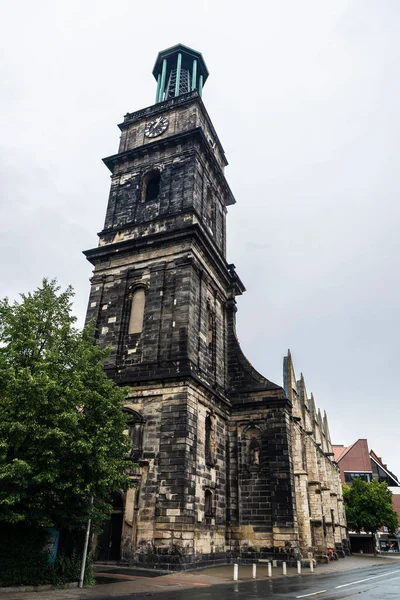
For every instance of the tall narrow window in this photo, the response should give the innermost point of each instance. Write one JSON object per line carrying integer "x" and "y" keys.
{"x": 137, "y": 310}
{"x": 210, "y": 326}
{"x": 208, "y": 503}
{"x": 208, "y": 439}
{"x": 210, "y": 210}
{"x": 151, "y": 186}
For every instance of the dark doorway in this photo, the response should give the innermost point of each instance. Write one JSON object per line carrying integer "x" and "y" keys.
{"x": 109, "y": 541}
{"x": 362, "y": 543}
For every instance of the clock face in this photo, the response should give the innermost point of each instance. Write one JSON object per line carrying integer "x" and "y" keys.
{"x": 157, "y": 127}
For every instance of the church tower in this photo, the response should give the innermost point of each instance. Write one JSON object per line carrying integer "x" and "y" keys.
{"x": 211, "y": 436}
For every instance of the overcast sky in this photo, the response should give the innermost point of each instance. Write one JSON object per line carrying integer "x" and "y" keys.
{"x": 304, "y": 95}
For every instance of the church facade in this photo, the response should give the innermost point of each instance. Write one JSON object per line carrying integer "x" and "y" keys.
{"x": 227, "y": 464}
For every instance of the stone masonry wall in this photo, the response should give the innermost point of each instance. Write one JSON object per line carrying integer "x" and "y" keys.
{"x": 173, "y": 524}
{"x": 262, "y": 507}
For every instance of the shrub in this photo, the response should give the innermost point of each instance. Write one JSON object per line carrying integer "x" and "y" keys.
{"x": 24, "y": 562}
{"x": 22, "y": 558}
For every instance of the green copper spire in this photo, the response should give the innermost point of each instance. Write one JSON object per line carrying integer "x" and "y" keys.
{"x": 179, "y": 70}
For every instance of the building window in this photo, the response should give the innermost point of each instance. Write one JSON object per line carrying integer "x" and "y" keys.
{"x": 208, "y": 504}
{"x": 348, "y": 477}
{"x": 211, "y": 340}
{"x": 151, "y": 186}
{"x": 137, "y": 298}
{"x": 210, "y": 326}
{"x": 210, "y": 210}
{"x": 333, "y": 519}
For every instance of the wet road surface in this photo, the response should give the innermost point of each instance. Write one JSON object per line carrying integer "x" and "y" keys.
{"x": 373, "y": 583}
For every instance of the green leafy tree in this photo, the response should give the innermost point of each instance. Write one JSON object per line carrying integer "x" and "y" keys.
{"x": 369, "y": 506}
{"x": 61, "y": 424}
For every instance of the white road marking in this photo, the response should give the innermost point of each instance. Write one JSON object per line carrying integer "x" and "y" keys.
{"x": 313, "y": 594}
{"x": 367, "y": 579}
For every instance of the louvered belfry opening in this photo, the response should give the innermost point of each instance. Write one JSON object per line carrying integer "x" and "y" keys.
{"x": 184, "y": 83}
{"x": 179, "y": 70}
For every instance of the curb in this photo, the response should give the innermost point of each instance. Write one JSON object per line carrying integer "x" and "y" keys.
{"x": 38, "y": 588}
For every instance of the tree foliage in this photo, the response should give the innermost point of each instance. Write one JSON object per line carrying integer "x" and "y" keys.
{"x": 61, "y": 425}
{"x": 369, "y": 506}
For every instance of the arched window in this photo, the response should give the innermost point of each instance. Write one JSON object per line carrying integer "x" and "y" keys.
{"x": 151, "y": 186}
{"x": 208, "y": 504}
{"x": 137, "y": 298}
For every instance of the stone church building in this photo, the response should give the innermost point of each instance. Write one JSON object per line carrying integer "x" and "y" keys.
{"x": 227, "y": 463}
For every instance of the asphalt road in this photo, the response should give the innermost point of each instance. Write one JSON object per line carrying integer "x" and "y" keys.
{"x": 374, "y": 583}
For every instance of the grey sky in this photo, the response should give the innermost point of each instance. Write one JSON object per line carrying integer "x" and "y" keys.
{"x": 305, "y": 98}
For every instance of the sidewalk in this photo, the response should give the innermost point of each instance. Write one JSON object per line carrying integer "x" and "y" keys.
{"x": 132, "y": 583}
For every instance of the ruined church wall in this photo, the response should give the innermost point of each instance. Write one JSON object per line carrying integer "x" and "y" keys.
{"x": 262, "y": 516}
{"x": 301, "y": 488}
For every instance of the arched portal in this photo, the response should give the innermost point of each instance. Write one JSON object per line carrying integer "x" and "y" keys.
{"x": 108, "y": 546}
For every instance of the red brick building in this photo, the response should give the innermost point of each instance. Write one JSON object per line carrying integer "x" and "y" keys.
{"x": 358, "y": 462}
